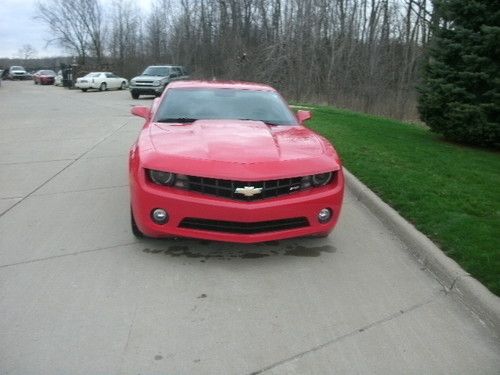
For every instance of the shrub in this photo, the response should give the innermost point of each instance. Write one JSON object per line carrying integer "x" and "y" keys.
{"x": 460, "y": 91}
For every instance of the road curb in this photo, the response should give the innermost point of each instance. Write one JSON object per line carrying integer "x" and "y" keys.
{"x": 456, "y": 281}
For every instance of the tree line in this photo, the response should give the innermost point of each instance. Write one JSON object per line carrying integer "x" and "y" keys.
{"x": 358, "y": 54}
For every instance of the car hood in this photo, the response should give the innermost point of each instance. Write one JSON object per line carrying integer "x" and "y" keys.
{"x": 147, "y": 78}
{"x": 227, "y": 147}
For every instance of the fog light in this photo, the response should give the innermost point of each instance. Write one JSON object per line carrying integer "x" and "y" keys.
{"x": 159, "y": 216}
{"x": 324, "y": 215}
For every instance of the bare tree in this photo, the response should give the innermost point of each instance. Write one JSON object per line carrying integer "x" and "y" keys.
{"x": 76, "y": 25}
{"x": 124, "y": 41}
{"x": 27, "y": 52}
{"x": 359, "y": 54}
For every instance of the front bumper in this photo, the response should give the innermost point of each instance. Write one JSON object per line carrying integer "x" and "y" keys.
{"x": 19, "y": 76}
{"x": 187, "y": 206}
{"x": 147, "y": 90}
{"x": 47, "y": 80}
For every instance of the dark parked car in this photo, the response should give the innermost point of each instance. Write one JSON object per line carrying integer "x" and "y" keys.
{"x": 155, "y": 78}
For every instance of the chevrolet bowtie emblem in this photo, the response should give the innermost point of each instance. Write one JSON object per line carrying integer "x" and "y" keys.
{"x": 248, "y": 191}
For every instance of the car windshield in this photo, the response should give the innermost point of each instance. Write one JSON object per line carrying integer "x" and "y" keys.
{"x": 48, "y": 72}
{"x": 156, "y": 71}
{"x": 93, "y": 75}
{"x": 191, "y": 104}
{"x": 17, "y": 68}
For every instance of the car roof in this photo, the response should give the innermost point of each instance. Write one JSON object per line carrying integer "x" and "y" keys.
{"x": 220, "y": 85}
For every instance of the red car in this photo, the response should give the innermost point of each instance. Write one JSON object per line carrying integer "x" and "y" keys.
{"x": 230, "y": 162}
{"x": 44, "y": 77}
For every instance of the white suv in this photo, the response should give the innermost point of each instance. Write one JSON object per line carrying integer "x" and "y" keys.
{"x": 18, "y": 72}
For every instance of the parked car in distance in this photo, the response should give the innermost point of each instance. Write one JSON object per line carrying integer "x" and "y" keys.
{"x": 18, "y": 72}
{"x": 101, "y": 81}
{"x": 44, "y": 77}
{"x": 155, "y": 78}
{"x": 230, "y": 162}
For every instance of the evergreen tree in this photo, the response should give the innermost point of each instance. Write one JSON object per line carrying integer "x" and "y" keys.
{"x": 460, "y": 91}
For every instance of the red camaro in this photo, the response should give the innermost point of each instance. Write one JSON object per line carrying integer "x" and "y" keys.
{"x": 229, "y": 161}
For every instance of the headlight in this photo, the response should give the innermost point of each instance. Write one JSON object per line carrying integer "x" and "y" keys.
{"x": 162, "y": 178}
{"x": 156, "y": 83}
{"x": 321, "y": 178}
{"x": 132, "y": 82}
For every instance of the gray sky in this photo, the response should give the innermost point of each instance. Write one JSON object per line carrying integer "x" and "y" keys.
{"x": 17, "y": 28}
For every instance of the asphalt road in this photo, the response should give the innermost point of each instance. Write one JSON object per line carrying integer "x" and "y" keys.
{"x": 80, "y": 295}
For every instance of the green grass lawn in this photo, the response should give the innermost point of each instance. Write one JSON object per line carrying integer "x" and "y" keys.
{"x": 449, "y": 192}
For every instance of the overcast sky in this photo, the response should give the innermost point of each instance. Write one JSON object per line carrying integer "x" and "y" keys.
{"x": 17, "y": 28}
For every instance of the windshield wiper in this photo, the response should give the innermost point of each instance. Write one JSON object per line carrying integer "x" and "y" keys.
{"x": 270, "y": 123}
{"x": 183, "y": 120}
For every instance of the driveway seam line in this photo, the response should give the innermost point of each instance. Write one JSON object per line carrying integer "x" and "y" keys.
{"x": 473, "y": 295}
{"x": 34, "y": 162}
{"x": 65, "y": 255}
{"x": 352, "y": 333}
{"x": 62, "y": 170}
{"x": 125, "y": 347}
{"x": 79, "y": 191}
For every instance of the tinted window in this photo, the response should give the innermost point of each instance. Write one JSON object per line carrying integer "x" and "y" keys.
{"x": 157, "y": 71}
{"x": 205, "y": 103}
{"x": 175, "y": 72}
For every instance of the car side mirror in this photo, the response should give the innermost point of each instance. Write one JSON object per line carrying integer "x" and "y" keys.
{"x": 303, "y": 116}
{"x": 141, "y": 111}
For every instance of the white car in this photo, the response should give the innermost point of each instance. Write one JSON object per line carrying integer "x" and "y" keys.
{"x": 101, "y": 81}
{"x": 18, "y": 72}
{"x": 58, "y": 81}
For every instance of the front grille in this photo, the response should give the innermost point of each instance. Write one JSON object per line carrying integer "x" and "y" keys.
{"x": 144, "y": 83}
{"x": 228, "y": 188}
{"x": 244, "y": 228}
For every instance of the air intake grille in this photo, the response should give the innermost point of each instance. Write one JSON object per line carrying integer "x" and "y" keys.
{"x": 244, "y": 228}
{"x": 241, "y": 190}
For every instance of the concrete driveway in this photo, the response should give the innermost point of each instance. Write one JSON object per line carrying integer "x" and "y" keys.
{"x": 80, "y": 295}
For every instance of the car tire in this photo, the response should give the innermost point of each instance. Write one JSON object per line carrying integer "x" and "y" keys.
{"x": 84, "y": 90}
{"x": 123, "y": 86}
{"x": 135, "y": 230}
{"x": 135, "y": 94}
{"x": 102, "y": 87}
